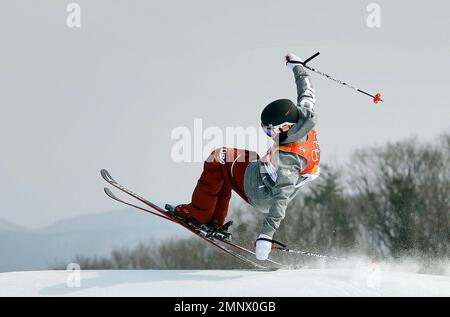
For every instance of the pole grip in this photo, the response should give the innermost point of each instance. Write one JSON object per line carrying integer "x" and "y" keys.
{"x": 306, "y": 60}
{"x": 274, "y": 242}
{"x": 311, "y": 57}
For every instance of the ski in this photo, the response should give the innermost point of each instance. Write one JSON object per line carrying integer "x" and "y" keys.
{"x": 162, "y": 213}
{"x": 201, "y": 235}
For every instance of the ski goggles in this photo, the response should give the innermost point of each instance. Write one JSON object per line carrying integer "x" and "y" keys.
{"x": 277, "y": 129}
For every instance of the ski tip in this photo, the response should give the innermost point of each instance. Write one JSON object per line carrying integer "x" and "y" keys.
{"x": 106, "y": 176}
{"x": 109, "y": 193}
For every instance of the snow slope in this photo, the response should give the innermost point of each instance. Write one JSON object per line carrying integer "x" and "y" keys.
{"x": 306, "y": 282}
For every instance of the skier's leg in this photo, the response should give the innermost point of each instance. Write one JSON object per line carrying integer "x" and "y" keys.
{"x": 233, "y": 172}
{"x": 210, "y": 187}
{"x": 221, "y": 209}
{"x": 237, "y": 171}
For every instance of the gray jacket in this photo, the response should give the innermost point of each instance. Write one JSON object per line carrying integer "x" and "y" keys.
{"x": 273, "y": 197}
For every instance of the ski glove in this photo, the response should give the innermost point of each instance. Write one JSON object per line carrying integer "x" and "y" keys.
{"x": 263, "y": 247}
{"x": 292, "y": 58}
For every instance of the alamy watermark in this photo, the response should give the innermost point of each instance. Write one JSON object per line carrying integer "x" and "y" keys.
{"x": 73, "y": 19}
{"x": 74, "y": 275}
{"x": 373, "y": 20}
{"x": 196, "y": 143}
{"x": 373, "y": 279}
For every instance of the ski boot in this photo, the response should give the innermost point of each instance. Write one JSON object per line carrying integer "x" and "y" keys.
{"x": 220, "y": 232}
{"x": 181, "y": 213}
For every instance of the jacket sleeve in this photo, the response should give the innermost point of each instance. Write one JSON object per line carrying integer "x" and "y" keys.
{"x": 283, "y": 191}
{"x": 306, "y": 95}
{"x": 306, "y": 100}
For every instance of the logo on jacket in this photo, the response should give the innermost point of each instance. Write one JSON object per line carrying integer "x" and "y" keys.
{"x": 222, "y": 156}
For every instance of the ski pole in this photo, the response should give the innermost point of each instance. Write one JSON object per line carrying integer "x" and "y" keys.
{"x": 376, "y": 97}
{"x": 277, "y": 245}
{"x": 284, "y": 249}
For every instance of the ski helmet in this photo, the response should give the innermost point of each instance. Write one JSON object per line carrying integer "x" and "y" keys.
{"x": 278, "y": 113}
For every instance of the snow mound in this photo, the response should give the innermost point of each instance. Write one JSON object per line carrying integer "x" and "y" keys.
{"x": 223, "y": 283}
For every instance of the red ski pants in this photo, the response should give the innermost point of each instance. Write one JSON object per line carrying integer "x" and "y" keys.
{"x": 223, "y": 171}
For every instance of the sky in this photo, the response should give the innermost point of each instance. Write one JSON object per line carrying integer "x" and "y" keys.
{"x": 110, "y": 93}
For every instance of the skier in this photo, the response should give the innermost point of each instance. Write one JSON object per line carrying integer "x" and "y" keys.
{"x": 268, "y": 183}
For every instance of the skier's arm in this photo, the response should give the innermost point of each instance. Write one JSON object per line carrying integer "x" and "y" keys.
{"x": 306, "y": 98}
{"x": 282, "y": 192}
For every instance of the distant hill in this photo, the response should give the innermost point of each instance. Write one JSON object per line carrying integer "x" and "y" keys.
{"x": 8, "y": 226}
{"x": 90, "y": 235}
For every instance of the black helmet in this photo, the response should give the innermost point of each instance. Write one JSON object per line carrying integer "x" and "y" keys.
{"x": 278, "y": 112}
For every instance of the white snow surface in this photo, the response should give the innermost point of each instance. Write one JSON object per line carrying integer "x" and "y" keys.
{"x": 224, "y": 283}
